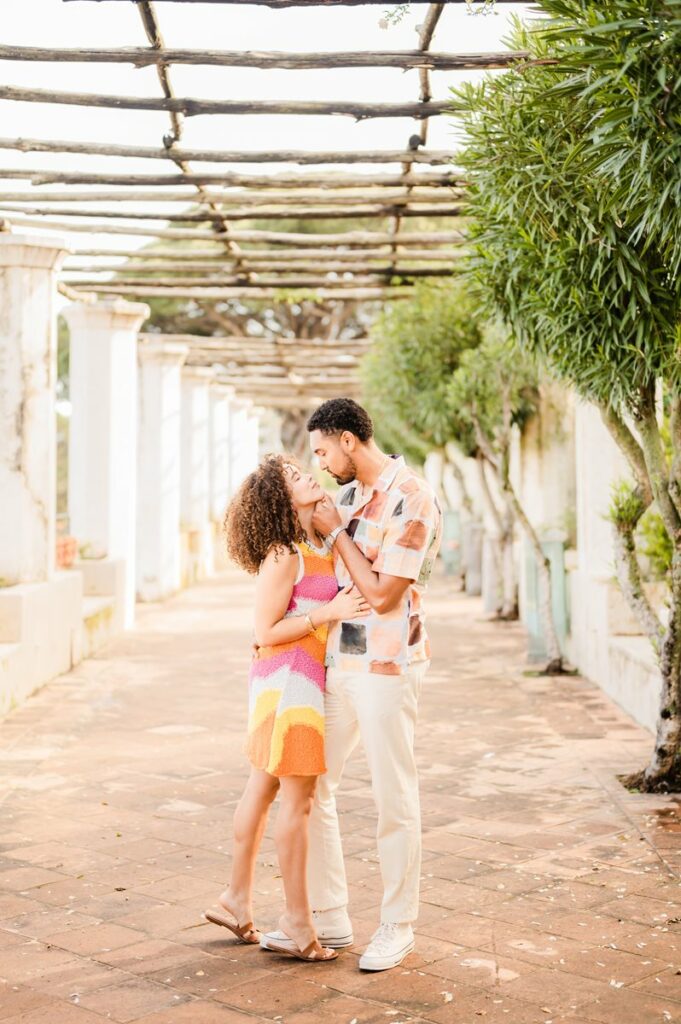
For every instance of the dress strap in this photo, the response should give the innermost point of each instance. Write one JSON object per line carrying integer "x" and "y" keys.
{"x": 301, "y": 565}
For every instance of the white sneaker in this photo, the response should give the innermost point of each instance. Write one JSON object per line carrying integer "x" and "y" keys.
{"x": 334, "y": 927}
{"x": 388, "y": 947}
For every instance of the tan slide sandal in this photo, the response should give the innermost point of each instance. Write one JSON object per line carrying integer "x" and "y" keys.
{"x": 309, "y": 954}
{"x": 240, "y": 930}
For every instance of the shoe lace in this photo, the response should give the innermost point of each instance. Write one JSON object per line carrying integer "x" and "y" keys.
{"x": 384, "y": 938}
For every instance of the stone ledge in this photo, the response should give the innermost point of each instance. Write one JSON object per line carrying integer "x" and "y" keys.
{"x": 99, "y": 623}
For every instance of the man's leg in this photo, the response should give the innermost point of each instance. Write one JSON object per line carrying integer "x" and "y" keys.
{"x": 326, "y": 870}
{"x": 387, "y": 709}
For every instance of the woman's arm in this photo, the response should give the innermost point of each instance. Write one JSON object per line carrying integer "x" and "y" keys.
{"x": 274, "y": 587}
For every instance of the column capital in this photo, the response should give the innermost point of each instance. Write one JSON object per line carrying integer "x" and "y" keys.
{"x": 171, "y": 353}
{"x": 109, "y": 314}
{"x": 197, "y": 374}
{"x": 221, "y": 390}
{"x": 242, "y": 404}
{"x": 32, "y": 251}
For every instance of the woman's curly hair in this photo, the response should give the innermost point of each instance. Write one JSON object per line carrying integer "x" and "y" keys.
{"x": 261, "y": 515}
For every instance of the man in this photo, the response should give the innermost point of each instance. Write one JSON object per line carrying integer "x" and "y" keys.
{"x": 385, "y": 529}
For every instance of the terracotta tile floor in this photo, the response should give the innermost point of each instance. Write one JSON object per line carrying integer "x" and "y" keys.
{"x": 549, "y": 893}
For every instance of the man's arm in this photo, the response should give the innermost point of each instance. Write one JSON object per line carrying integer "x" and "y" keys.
{"x": 383, "y": 592}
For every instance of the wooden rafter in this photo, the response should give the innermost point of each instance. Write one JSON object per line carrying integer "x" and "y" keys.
{"x": 301, "y": 280}
{"x": 351, "y": 239}
{"x": 321, "y": 294}
{"x": 39, "y": 176}
{"x": 210, "y": 258}
{"x": 271, "y": 266}
{"x": 282, "y": 4}
{"x": 143, "y": 57}
{"x": 242, "y": 197}
{"x": 250, "y": 213}
{"x": 287, "y": 156}
{"x": 190, "y": 107}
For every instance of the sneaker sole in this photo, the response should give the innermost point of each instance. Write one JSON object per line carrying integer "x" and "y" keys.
{"x": 335, "y": 942}
{"x": 385, "y": 963}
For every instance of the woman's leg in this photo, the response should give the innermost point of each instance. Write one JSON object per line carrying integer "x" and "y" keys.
{"x": 291, "y": 838}
{"x": 250, "y": 819}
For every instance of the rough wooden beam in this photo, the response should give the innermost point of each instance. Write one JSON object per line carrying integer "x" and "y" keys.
{"x": 182, "y": 258}
{"x": 277, "y": 4}
{"x": 189, "y": 107}
{"x": 262, "y": 197}
{"x": 272, "y": 181}
{"x": 214, "y": 156}
{"x": 304, "y": 281}
{"x": 352, "y": 239}
{"x": 269, "y": 267}
{"x": 142, "y": 57}
{"x": 250, "y": 292}
{"x": 255, "y": 213}
{"x": 239, "y": 341}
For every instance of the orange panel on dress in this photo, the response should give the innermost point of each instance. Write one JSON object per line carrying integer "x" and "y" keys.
{"x": 303, "y": 752}
{"x": 259, "y": 742}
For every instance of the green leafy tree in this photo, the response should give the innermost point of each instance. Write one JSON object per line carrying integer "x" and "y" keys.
{"x": 579, "y": 259}
{"x": 495, "y": 388}
{"x": 416, "y": 346}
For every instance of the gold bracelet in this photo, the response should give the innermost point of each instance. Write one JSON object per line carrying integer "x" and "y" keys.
{"x": 310, "y": 623}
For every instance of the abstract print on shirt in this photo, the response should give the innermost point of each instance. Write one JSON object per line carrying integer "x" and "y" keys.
{"x": 397, "y": 525}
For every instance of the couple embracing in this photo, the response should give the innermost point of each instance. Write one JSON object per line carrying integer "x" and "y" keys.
{"x": 341, "y": 655}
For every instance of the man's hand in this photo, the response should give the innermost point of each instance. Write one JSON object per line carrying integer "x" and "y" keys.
{"x": 325, "y": 517}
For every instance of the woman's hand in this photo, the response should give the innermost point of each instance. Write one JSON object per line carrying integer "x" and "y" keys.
{"x": 348, "y": 604}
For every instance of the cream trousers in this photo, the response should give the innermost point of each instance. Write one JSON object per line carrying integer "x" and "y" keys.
{"x": 381, "y": 711}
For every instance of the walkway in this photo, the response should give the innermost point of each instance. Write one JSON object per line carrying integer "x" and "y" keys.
{"x": 546, "y": 887}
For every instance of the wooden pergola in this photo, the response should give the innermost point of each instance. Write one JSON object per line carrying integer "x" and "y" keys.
{"x": 410, "y": 204}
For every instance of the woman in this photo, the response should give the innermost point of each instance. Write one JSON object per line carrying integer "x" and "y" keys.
{"x": 269, "y": 533}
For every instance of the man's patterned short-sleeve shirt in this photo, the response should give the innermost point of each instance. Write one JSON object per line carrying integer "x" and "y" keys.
{"x": 397, "y": 525}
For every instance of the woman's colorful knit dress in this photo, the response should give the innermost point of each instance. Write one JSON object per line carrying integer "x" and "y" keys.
{"x": 286, "y": 683}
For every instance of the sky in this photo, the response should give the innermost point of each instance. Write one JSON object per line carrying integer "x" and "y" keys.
{"x": 54, "y": 23}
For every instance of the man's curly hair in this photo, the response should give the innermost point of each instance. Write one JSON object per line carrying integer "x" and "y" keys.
{"x": 339, "y": 414}
{"x": 261, "y": 515}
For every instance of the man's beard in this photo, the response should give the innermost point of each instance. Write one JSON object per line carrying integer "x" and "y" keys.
{"x": 349, "y": 472}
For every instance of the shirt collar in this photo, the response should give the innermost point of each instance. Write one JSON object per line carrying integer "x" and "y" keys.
{"x": 392, "y": 467}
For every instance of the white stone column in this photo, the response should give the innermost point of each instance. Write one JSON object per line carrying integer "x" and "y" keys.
{"x": 158, "y": 495}
{"x": 252, "y": 453}
{"x": 28, "y": 373}
{"x": 219, "y": 450}
{"x": 103, "y": 431}
{"x": 195, "y": 469}
{"x": 240, "y": 437}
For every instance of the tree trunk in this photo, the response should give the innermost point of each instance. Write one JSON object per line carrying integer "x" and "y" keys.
{"x": 455, "y": 469}
{"x": 555, "y": 657}
{"x": 294, "y": 435}
{"x": 509, "y": 608}
{"x": 663, "y": 773}
{"x": 497, "y": 544}
{"x": 629, "y": 579}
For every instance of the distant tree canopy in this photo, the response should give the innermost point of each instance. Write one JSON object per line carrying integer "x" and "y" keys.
{"x": 417, "y": 345}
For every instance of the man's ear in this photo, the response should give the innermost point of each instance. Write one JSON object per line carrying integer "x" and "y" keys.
{"x": 348, "y": 441}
